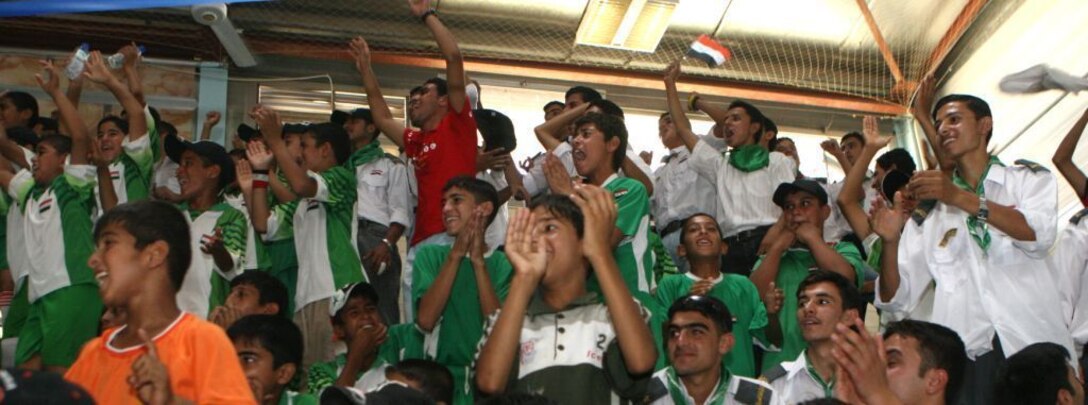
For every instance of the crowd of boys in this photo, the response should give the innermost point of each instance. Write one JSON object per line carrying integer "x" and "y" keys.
{"x": 146, "y": 267}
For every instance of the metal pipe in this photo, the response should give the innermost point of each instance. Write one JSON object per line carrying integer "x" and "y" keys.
{"x": 58, "y": 54}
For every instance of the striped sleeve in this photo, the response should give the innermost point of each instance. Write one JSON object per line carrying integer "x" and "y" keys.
{"x": 281, "y": 222}
{"x": 234, "y": 230}
{"x": 335, "y": 186}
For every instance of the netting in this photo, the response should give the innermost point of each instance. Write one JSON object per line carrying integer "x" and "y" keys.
{"x": 820, "y": 45}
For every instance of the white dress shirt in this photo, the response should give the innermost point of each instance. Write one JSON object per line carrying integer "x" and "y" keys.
{"x": 383, "y": 192}
{"x": 679, "y": 192}
{"x": 744, "y": 198}
{"x": 1070, "y": 262}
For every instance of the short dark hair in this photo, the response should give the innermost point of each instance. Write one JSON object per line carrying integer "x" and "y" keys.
{"x": 851, "y": 298}
{"x": 561, "y": 207}
{"x": 121, "y": 123}
{"x": 167, "y": 129}
{"x": 24, "y": 101}
{"x": 754, "y": 115}
{"x": 49, "y": 125}
{"x": 853, "y": 135}
{"x": 1033, "y": 375}
{"x": 978, "y": 106}
{"x": 361, "y": 290}
{"x": 434, "y": 379}
{"x": 769, "y": 125}
{"x": 710, "y": 307}
{"x": 611, "y": 127}
{"x": 415, "y": 90}
{"x": 439, "y": 84}
{"x": 149, "y": 221}
{"x": 608, "y": 107}
{"x": 587, "y": 94}
{"x": 898, "y": 159}
{"x": 277, "y": 334}
{"x": 334, "y": 135}
{"x": 773, "y": 144}
{"x": 60, "y": 143}
{"x": 270, "y": 289}
{"x": 684, "y": 225}
{"x": 481, "y": 191}
{"x": 939, "y": 347}
{"x": 238, "y": 153}
{"x": 553, "y": 102}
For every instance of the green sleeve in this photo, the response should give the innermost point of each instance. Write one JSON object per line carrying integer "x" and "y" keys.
{"x": 153, "y": 137}
{"x": 320, "y": 376}
{"x": 851, "y": 254}
{"x": 81, "y": 180}
{"x": 501, "y": 273}
{"x": 403, "y": 342}
{"x": 632, "y": 204}
{"x": 428, "y": 263}
{"x": 340, "y": 185}
{"x": 284, "y": 216}
{"x": 234, "y": 230}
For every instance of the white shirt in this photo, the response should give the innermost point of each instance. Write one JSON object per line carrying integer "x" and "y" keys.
{"x": 196, "y": 287}
{"x": 679, "y": 192}
{"x": 166, "y": 176}
{"x": 383, "y": 192}
{"x": 495, "y": 235}
{"x": 1007, "y": 290}
{"x": 1070, "y": 262}
{"x": 797, "y": 385}
{"x": 730, "y": 397}
{"x": 535, "y": 182}
{"x": 744, "y": 199}
{"x": 239, "y": 203}
{"x": 836, "y": 226}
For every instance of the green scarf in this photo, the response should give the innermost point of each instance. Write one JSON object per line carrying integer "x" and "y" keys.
{"x": 828, "y": 386}
{"x": 676, "y": 390}
{"x": 978, "y": 229}
{"x": 749, "y": 158}
{"x": 366, "y": 154}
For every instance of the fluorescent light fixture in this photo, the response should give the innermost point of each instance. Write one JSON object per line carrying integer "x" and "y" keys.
{"x": 634, "y": 25}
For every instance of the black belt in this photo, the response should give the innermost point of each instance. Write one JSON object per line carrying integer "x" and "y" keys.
{"x": 749, "y": 234}
{"x": 672, "y": 227}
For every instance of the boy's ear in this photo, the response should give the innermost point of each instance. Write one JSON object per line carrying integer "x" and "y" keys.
{"x": 155, "y": 254}
{"x": 270, "y": 308}
{"x": 285, "y": 373}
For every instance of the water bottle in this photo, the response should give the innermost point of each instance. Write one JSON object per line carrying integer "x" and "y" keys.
{"x": 79, "y": 59}
{"x": 118, "y": 59}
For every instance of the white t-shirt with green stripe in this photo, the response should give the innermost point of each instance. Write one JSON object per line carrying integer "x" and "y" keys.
{"x": 206, "y": 285}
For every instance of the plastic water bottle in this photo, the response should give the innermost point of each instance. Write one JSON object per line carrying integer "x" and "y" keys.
{"x": 79, "y": 59}
{"x": 118, "y": 59}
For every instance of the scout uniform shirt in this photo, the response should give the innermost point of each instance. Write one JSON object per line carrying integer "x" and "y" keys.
{"x": 740, "y": 296}
{"x": 1069, "y": 262}
{"x": 667, "y": 389}
{"x": 323, "y": 227}
{"x": 1004, "y": 288}
{"x": 679, "y": 192}
{"x": 206, "y": 286}
{"x": 797, "y": 381}
{"x": 744, "y": 198}
{"x": 382, "y": 188}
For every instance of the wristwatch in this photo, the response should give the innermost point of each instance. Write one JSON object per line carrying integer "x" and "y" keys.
{"x": 983, "y": 211}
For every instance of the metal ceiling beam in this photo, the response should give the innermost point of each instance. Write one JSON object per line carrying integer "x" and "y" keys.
{"x": 955, "y": 31}
{"x": 575, "y": 74}
{"x": 885, "y": 50}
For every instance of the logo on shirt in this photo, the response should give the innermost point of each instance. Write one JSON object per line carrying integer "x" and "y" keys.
{"x": 528, "y": 351}
{"x": 45, "y": 205}
{"x": 312, "y": 204}
{"x": 376, "y": 172}
{"x": 115, "y": 174}
{"x": 948, "y": 235}
{"x": 619, "y": 193}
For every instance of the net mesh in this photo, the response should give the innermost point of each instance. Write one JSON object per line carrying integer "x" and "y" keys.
{"x": 819, "y": 45}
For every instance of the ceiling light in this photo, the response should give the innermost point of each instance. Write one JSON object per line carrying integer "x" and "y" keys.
{"x": 634, "y": 25}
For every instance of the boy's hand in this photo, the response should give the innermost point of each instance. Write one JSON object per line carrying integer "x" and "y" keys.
{"x": 526, "y": 249}
{"x": 492, "y": 159}
{"x": 213, "y": 244}
{"x": 211, "y": 118}
{"x": 463, "y": 242}
{"x": 871, "y": 132}
{"x": 149, "y": 376}
{"x": 258, "y": 155}
{"x": 773, "y": 299}
{"x": 269, "y": 122}
{"x": 50, "y": 85}
{"x": 599, "y": 209}
{"x": 478, "y": 246}
{"x": 419, "y": 6}
{"x": 360, "y": 51}
{"x": 558, "y": 179}
{"x": 809, "y": 234}
{"x": 96, "y": 70}
{"x": 132, "y": 55}
{"x": 368, "y": 338}
{"x": 94, "y": 155}
{"x": 225, "y": 316}
{"x": 701, "y": 287}
{"x": 672, "y": 72}
{"x": 244, "y": 173}
{"x": 887, "y": 222}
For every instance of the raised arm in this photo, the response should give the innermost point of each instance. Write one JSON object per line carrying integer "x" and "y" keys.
{"x": 547, "y": 132}
{"x": 98, "y": 73}
{"x": 253, "y": 174}
{"x": 132, "y": 58}
{"x": 923, "y": 101}
{"x": 455, "y": 65}
{"x": 433, "y": 302}
{"x": 272, "y": 128}
{"x": 676, "y": 110}
{"x": 68, "y": 113}
{"x": 107, "y": 195}
{"x": 852, "y": 189}
{"x": 210, "y": 120}
{"x": 383, "y": 118}
{"x": 888, "y": 224}
{"x": 11, "y": 151}
{"x": 1063, "y": 157}
{"x": 831, "y": 146}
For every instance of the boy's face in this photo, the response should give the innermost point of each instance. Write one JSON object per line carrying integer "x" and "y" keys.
{"x": 552, "y": 111}
{"x": 358, "y": 128}
{"x": 738, "y": 127}
{"x": 195, "y": 177}
{"x": 357, "y": 314}
{"x": 258, "y": 365}
{"x": 313, "y": 155}
{"x": 110, "y": 138}
{"x": 959, "y": 130}
{"x": 561, "y": 243}
{"x": 851, "y": 147}
{"x": 458, "y": 207}
{"x": 246, "y": 299}
{"x": 591, "y": 151}
{"x": 819, "y": 309}
{"x": 694, "y": 343}
{"x": 802, "y": 207}
{"x": 293, "y": 142}
{"x": 48, "y": 163}
{"x": 118, "y": 266}
{"x": 11, "y": 116}
{"x": 425, "y": 104}
{"x": 666, "y": 130}
{"x": 788, "y": 148}
{"x": 701, "y": 238}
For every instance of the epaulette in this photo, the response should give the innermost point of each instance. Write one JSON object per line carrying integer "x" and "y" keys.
{"x": 774, "y": 373}
{"x": 752, "y": 393}
{"x": 1075, "y": 220}
{"x": 1034, "y": 167}
{"x": 922, "y": 211}
{"x": 654, "y": 391}
{"x": 394, "y": 157}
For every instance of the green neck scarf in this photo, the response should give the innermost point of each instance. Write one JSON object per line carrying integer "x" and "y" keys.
{"x": 978, "y": 229}
{"x": 828, "y": 386}
{"x": 677, "y": 393}
{"x": 749, "y": 158}
{"x": 366, "y": 154}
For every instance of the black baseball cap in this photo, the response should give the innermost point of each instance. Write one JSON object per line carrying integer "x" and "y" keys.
{"x": 497, "y": 129}
{"x": 39, "y": 387}
{"x": 363, "y": 113}
{"x": 247, "y": 133}
{"x": 808, "y": 186}
{"x": 206, "y": 149}
{"x": 339, "y": 117}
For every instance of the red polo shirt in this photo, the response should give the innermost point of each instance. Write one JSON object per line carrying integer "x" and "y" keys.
{"x": 439, "y": 155}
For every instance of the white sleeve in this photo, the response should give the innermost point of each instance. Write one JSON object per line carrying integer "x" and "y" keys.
{"x": 1069, "y": 261}
{"x": 706, "y": 161}
{"x": 1038, "y": 202}
{"x": 783, "y": 168}
{"x": 641, "y": 165}
{"x": 398, "y": 193}
{"x": 322, "y": 193}
{"x": 564, "y": 153}
{"x": 913, "y": 268}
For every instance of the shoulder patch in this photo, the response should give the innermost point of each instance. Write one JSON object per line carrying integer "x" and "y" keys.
{"x": 619, "y": 193}
{"x": 774, "y": 373}
{"x": 753, "y": 393}
{"x": 1034, "y": 167}
{"x": 1075, "y": 220}
{"x": 922, "y": 211}
{"x": 655, "y": 390}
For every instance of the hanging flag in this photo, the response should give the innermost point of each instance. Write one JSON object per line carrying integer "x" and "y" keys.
{"x": 710, "y": 51}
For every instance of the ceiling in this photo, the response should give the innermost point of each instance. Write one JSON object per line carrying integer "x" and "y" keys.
{"x": 820, "y": 47}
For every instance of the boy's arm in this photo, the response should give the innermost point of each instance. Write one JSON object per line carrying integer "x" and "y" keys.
{"x": 210, "y": 120}
{"x": 676, "y": 110}
{"x": 1063, "y": 157}
{"x": 766, "y": 271}
{"x": 489, "y": 299}
{"x": 636, "y": 343}
{"x": 546, "y": 132}
{"x": 255, "y": 187}
{"x": 447, "y": 45}
{"x": 98, "y": 73}
{"x": 279, "y": 190}
{"x": 383, "y": 118}
{"x": 303, "y": 185}
{"x": 135, "y": 85}
{"x": 107, "y": 195}
{"x": 68, "y": 113}
{"x": 826, "y": 257}
{"x": 852, "y": 187}
{"x": 433, "y": 302}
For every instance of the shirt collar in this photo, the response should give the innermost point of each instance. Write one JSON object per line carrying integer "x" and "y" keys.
{"x": 714, "y": 280}
{"x": 614, "y": 176}
{"x": 537, "y": 306}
